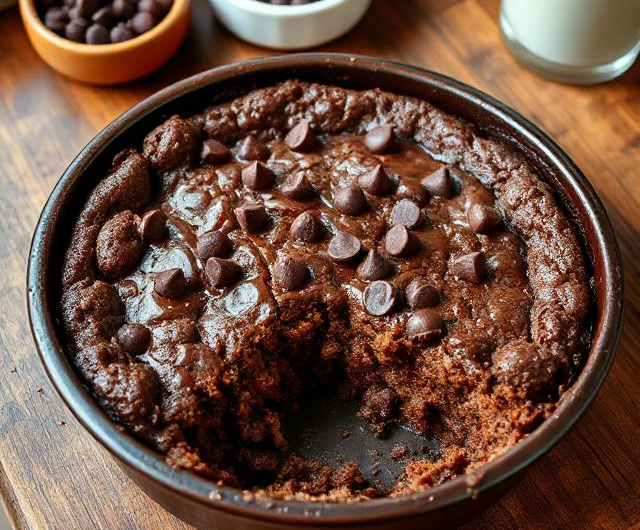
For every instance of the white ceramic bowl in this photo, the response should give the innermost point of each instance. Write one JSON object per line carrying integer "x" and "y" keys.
{"x": 289, "y": 27}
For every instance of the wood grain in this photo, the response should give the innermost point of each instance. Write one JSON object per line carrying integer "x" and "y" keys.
{"x": 54, "y": 476}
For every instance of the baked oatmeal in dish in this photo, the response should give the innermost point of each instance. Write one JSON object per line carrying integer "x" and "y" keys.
{"x": 305, "y": 239}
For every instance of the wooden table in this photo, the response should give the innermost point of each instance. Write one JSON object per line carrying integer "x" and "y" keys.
{"x": 52, "y": 473}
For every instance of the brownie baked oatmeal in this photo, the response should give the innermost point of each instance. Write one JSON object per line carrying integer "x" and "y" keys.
{"x": 306, "y": 239}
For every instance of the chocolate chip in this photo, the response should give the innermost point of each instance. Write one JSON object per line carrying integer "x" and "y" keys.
{"x": 153, "y": 226}
{"x": 134, "y": 338}
{"x": 214, "y": 244}
{"x": 104, "y": 16}
{"x": 307, "y": 227}
{"x": 425, "y": 325}
{"x": 344, "y": 247}
{"x": 97, "y": 34}
{"x": 379, "y": 298}
{"x": 256, "y": 176}
{"x": 412, "y": 191}
{"x": 120, "y": 33}
{"x": 439, "y": 183}
{"x": 76, "y": 30}
{"x": 250, "y": 148}
{"x": 86, "y": 8}
{"x": 400, "y": 242}
{"x": 222, "y": 272}
{"x": 213, "y": 152}
{"x": 483, "y": 218}
{"x": 142, "y": 22}
{"x": 251, "y": 217}
{"x": 170, "y": 283}
{"x": 56, "y": 18}
{"x": 374, "y": 267}
{"x": 380, "y": 140}
{"x": 165, "y": 4}
{"x": 470, "y": 267}
{"x": 301, "y": 137}
{"x": 376, "y": 181}
{"x": 150, "y": 6}
{"x": 406, "y": 213}
{"x": 421, "y": 294}
{"x": 290, "y": 274}
{"x": 123, "y": 8}
{"x": 350, "y": 200}
{"x": 298, "y": 187}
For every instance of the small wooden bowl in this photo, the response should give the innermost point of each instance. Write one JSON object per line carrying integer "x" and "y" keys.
{"x": 109, "y": 64}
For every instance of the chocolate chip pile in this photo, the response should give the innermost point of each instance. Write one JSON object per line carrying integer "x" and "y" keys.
{"x": 102, "y": 22}
{"x": 306, "y": 239}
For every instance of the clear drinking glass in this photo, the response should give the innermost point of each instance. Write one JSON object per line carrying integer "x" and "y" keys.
{"x": 573, "y": 41}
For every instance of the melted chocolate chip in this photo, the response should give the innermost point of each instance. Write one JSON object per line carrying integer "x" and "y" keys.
{"x": 214, "y": 244}
{"x": 380, "y": 140}
{"x": 421, "y": 294}
{"x": 134, "y": 338}
{"x": 406, "y": 213}
{"x": 439, "y": 183}
{"x": 213, "y": 152}
{"x": 400, "y": 242}
{"x": 470, "y": 267}
{"x": 376, "y": 182}
{"x": 483, "y": 218}
{"x": 425, "y": 325}
{"x": 222, "y": 272}
{"x": 290, "y": 274}
{"x": 170, "y": 283}
{"x": 379, "y": 298}
{"x": 307, "y": 227}
{"x": 256, "y": 176}
{"x": 301, "y": 137}
{"x": 251, "y": 217}
{"x": 344, "y": 247}
{"x": 350, "y": 200}
{"x": 412, "y": 191}
{"x": 250, "y": 148}
{"x": 153, "y": 226}
{"x": 374, "y": 267}
{"x": 298, "y": 187}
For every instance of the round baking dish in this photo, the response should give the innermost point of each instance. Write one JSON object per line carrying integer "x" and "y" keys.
{"x": 202, "y": 503}
{"x": 283, "y": 27}
{"x": 109, "y": 64}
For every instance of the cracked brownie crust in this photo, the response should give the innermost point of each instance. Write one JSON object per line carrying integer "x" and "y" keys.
{"x": 307, "y": 238}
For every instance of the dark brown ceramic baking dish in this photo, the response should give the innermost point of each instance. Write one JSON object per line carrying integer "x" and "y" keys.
{"x": 197, "y": 500}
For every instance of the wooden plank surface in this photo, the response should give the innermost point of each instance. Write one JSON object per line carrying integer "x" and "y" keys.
{"x": 54, "y": 476}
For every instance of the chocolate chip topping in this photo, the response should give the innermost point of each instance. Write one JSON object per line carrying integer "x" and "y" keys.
{"x": 350, "y": 200}
{"x": 213, "y": 152}
{"x": 412, "y": 191}
{"x": 170, "y": 283}
{"x": 376, "y": 181}
{"x": 425, "y": 325}
{"x": 250, "y": 148}
{"x": 307, "y": 227}
{"x": 301, "y": 137}
{"x": 420, "y": 294}
{"x": 134, "y": 338}
{"x": 470, "y": 267}
{"x": 483, "y": 218}
{"x": 439, "y": 183}
{"x": 251, "y": 217}
{"x": 222, "y": 272}
{"x": 298, "y": 187}
{"x": 379, "y": 298}
{"x": 256, "y": 176}
{"x": 344, "y": 247}
{"x": 153, "y": 226}
{"x": 406, "y": 213}
{"x": 374, "y": 267}
{"x": 400, "y": 242}
{"x": 380, "y": 140}
{"x": 214, "y": 244}
{"x": 289, "y": 273}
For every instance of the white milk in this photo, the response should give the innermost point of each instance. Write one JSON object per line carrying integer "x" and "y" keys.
{"x": 583, "y": 33}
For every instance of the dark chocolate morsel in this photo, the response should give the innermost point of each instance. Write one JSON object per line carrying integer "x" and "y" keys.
{"x": 214, "y": 244}
{"x": 250, "y": 148}
{"x": 376, "y": 182}
{"x": 298, "y": 187}
{"x": 344, "y": 247}
{"x": 251, "y": 217}
{"x": 124, "y": 9}
{"x": 222, "y": 272}
{"x": 170, "y": 283}
{"x": 412, "y": 191}
{"x": 142, "y": 22}
{"x": 373, "y": 267}
{"x": 120, "y": 33}
{"x": 256, "y": 176}
{"x": 439, "y": 183}
{"x": 483, "y": 218}
{"x": 289, "y": 273}
{"x": 425, "y": 325}
{"x": 153, "y": 226}
{"x": 350, "y": 200}
{"x": 87, "y": 8}
{"x": 104, "y": 16}
{"x": 379, "y": 298}
{"x": 97, "y": 34}
{"x": 406, "y": 213}
{"x": 301, "y": 137}
{"x": 400, "y": 242}
{"x": 470, "y": 267}
{"x": 151, "y": 6}
{"x": 56, "y": 18}
{"x": 76, "y": 30}
{"x": 307, "y": 227}
{"x": 380, "y": 140}
{"x": 213, "y": 152}
{"x": 420, "y": 294}
{"x": 134, "y": 338}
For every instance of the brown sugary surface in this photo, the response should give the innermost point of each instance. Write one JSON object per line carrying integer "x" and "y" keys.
{"x": 224, "y": 365}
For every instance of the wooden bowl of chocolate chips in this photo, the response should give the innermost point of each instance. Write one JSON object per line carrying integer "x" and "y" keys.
{"x": 105, "y": 42}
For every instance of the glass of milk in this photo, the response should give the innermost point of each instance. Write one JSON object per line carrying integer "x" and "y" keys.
{"x": 574, "y": 41}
